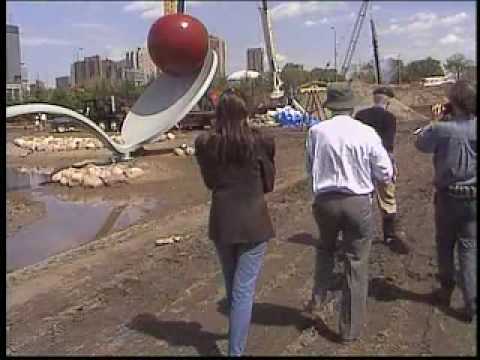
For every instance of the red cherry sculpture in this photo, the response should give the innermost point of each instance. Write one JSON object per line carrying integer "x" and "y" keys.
{"x": 178, "y": 44}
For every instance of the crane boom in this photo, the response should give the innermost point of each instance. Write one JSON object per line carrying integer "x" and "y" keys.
{"x": 354, "y": 39}
{"x": 376, "y": 56}
{"x": 270, "y": 50}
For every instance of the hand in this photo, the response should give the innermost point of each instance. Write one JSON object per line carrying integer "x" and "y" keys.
{"x": 395, "y": 173}
{"x": 395, "y": 167}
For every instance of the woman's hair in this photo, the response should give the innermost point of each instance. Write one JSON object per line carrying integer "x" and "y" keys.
{"x": 234, "y": 140}
{"x": 463, "y": 96}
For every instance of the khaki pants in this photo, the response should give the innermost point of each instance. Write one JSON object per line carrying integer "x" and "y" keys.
{"x": 386, "y": 198}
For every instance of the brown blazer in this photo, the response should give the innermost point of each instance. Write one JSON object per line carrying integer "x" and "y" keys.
{"x": 239, "y": 213}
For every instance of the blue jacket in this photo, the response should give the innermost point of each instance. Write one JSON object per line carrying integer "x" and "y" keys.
{"x": 454, "y": 147}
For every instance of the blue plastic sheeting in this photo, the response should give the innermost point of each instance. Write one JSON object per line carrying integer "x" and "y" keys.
{"x": 289, "y": 117}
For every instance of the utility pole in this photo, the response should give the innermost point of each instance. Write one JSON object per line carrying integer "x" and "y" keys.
{"x": 335, "y": 49}
{"x": 399, "y": 70}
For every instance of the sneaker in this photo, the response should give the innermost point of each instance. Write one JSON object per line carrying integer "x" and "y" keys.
{"x": 398, "y": 243}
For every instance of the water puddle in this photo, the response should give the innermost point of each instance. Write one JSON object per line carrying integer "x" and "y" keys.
{"x": 23, "y": 178}
{"x": 66, "y": 224}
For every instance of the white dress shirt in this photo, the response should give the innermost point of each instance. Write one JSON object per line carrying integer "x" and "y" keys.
{"x": 344, "y": 155}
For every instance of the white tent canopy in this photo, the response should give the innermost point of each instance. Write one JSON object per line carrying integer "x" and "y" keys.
{"x": 243, "y": 74}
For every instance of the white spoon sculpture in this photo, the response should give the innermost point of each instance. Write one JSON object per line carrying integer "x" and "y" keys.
{"x": 163, "y": 104}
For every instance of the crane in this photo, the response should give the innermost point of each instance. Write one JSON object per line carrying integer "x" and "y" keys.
{"x": 354, "y": 39}
{"x": 270, "y": 49}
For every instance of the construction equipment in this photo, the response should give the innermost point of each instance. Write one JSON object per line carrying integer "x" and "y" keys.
{"x": 277, "y": 92}
{"x": 376, "y": 56}
{"x": 354, "y": 39}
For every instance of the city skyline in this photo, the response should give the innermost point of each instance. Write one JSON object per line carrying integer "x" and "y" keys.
{"x": 302, "y": 30}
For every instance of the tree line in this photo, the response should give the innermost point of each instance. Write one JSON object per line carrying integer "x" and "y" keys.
{"x": 293, "y": 75}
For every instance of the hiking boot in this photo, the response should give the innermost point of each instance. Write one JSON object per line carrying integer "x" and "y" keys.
{"x": 394, "y": 239}
{"x": 397, "y": 242}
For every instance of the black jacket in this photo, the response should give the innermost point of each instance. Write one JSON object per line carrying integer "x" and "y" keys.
{"x": 238, "y": 213}
{"x": 384, "y": 123}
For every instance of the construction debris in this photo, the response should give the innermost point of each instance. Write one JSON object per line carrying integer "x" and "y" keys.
{"x": 95, "y": 176}
{"x": 56, "y": 144}
{"x": 169, "y": 240}
{"x": 183, "y": 150}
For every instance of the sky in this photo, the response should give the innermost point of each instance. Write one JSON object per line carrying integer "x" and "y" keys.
{"x": 53, "y": 32}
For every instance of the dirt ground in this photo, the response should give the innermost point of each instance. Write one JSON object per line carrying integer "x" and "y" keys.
{"x": 122, "y": 295}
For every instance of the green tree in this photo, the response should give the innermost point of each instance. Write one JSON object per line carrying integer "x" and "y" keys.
{"x": 457, "y": 63}
{"x": 418, "y": 69}
{"x": 294, "y": 75}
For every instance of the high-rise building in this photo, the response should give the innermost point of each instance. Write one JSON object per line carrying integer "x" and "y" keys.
{"x": 220, "y": 47}
{"x": 14, "y": 72}
{"x": 147, "y": 65}
{"x": 255, "y": 59}
{"x": 62, "y": 82}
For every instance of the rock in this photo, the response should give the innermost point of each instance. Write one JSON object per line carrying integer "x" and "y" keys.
{"x": 183, "y": 146}
{"x": 113, "y": 179}
{"x": 90, "y": 145}
{"x": 73, "y": 183}
{"x": 92, "y": 170}
{"x": 170, "y": 136}
{"x": 162, "y": 137}
{"x": 190, "y": 151}
{"x": 117, "y": 170}
{"x": 42, "y": 147}
{"x": 179, "y": 152}
{"x": 77, "y": 176}
{"x": 57, "y": 177}
{"x": 92, "y": 181}
{"x": 134, "y": 173}
{"x": 63, "y": 180}
{"x": 104, "y": 174}
{"x": 19, "y": 142}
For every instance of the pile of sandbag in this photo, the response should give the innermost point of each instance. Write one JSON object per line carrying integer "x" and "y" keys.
{"x": 184, "y": 150}
{"x": 95, "y": 176}
{"x": 52, "y": 144}
{"x": 264, "y": 120}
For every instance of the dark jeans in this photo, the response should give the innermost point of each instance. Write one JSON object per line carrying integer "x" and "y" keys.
{"x": 353, "y": 216}
{"x": 456, "y": 224}
{"x": 241, "y": 264}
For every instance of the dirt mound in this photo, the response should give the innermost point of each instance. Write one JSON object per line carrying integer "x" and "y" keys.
{"x": 399, "y": 108}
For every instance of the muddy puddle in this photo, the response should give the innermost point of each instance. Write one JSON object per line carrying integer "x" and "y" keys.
{"x": 66, "y": 224}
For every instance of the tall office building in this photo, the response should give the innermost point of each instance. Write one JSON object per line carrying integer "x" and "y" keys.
{"x": 14, "y": 71}
{"x": 62, "y": 82}
{"x": 220, "y": 47}
{"x": 255, "y": 59}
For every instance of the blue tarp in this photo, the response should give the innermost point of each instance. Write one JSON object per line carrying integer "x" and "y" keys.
{"x": 289, "y": 117}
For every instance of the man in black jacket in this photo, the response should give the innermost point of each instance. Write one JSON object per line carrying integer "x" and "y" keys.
{"x": 385, "y": 124}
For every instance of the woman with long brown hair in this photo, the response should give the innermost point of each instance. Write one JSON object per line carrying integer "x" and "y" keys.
{"x": 237, "y": 165}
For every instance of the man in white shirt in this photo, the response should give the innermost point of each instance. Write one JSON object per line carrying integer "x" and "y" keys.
{"x": 344, "y": 159}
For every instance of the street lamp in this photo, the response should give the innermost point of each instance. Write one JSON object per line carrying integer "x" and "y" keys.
{"x": 335, "y": 49}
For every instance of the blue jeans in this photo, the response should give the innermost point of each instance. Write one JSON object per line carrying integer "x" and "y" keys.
{"x": 241, "y": 264}
{"x": 456, "y": 224}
